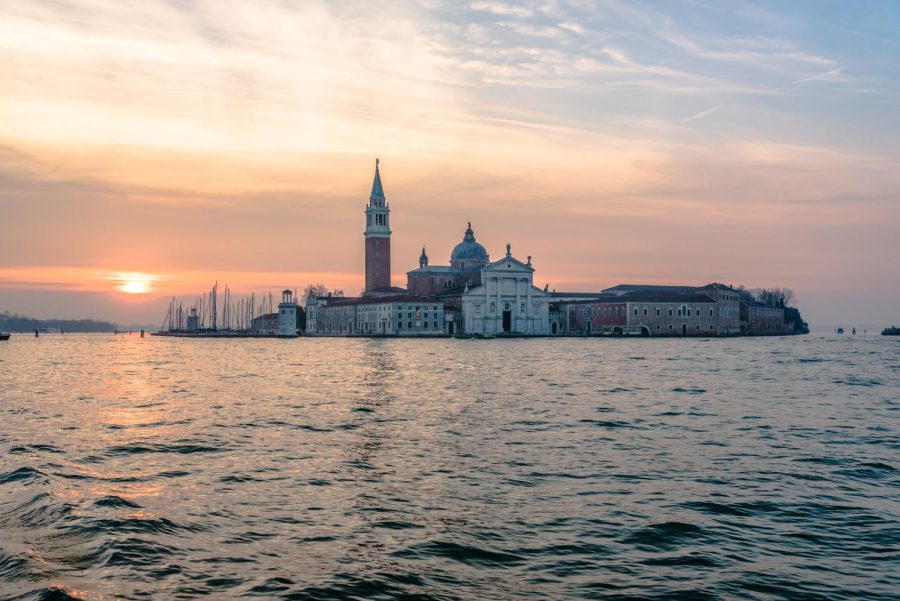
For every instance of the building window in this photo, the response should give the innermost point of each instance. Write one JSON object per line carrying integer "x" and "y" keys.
{"x": 635, "y": 311}
{"x": 710, "y": 326}
{"x": 670, "y": 313}
{"x": 409, "y": 324}
{"x": 698, "y": 326}
{"x": 698, "y": 312}
{"x": 645, "y": 311}
{"x": 522, "y": 309}
{"x": 493, "y": 308}
{"x": 657, "y": 326}
{"x": 710, "y": 312}
{"x": 657, "y": 311}
{"x": 670, "y": 326}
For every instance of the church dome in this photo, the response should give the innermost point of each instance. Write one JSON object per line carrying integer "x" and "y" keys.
{"x": 468, "y": 252}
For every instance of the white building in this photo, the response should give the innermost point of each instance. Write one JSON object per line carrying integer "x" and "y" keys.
{"x": 375, "y": 316}
{"x": 506, "y": 301}
{"x": 287, "y": 315}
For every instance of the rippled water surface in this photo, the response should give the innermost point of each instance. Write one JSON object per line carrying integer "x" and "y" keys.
{"x": 449, "y": 469}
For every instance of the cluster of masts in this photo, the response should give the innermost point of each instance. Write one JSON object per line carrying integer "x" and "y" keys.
{"x": 210, "y": 313}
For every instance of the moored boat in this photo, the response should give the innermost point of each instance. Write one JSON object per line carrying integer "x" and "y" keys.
{"x": 4, "y": 336}
{"x": 891, "y": 331}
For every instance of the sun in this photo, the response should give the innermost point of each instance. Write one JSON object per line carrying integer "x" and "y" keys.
{"x": 134, "y": 283}
{"x": 135, "y": 287}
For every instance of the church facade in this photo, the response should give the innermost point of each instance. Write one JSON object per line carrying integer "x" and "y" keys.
{"x": 484, "y": 298}
{"x": 506, "y": 302}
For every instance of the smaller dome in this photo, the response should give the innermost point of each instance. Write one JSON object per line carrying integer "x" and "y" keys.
{"x": 468, "y": 251}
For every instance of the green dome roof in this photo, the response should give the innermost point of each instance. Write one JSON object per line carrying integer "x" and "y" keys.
{"x": 469, "y": 250}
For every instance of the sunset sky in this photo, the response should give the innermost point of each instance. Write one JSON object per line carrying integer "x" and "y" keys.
{"x": 148, "y": 149}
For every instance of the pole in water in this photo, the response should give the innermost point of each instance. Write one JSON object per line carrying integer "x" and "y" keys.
{"x": 142, "y": 333}
{"x": 35, "y": 333}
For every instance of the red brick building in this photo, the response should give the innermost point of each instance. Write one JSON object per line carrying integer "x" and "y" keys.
{"x": 711, "y": 310}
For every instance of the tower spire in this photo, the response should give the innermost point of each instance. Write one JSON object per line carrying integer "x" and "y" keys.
{"x": 377, "y": 189}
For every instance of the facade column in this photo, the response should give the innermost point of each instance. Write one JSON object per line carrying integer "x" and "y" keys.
{"x": 499, "y": 306}
{"x": 518, "y": 306}
{"x": 529, "y": 310}
{"x": 487, "y": 305}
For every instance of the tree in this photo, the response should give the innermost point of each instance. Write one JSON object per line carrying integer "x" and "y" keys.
{"x": 785, "y": 296}
{"x": 775, "y": 297}
{"x": 318, "y": 290}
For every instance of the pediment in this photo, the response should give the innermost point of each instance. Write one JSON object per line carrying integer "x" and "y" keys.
{"x": 509, "y": 265}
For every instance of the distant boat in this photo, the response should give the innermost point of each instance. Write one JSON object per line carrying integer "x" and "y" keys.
{"x": 50, "y": 330}
{"x": 839, "y": 331}
{"x": 891, "y": 331}
{"x": 4, "y": 336}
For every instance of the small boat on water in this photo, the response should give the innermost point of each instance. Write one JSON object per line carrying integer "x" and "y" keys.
{"x": 839, "y": 331}
{"x": 4, "y": 336}
{"x": 891, "y": 331}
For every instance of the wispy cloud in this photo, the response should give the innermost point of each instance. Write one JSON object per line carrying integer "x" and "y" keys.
{"x": 832, "y": 75}
{"x": 701, "y": 114}
{"x": 502, "y": 8}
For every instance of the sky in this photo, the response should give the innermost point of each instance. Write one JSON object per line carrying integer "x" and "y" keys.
{"x": 148, "y": 149}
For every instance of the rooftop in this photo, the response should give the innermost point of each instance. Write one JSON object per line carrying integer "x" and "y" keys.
{"x": 377, "y": 300}
{"x": 648, "y": 296}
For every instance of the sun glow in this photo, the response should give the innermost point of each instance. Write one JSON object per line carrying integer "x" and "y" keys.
{"x": 134, "y": 283}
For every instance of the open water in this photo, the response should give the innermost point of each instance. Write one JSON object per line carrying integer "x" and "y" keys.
{"x": 449, "y": 469}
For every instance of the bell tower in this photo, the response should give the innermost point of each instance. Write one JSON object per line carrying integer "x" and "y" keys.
{"x": 378, "y": 237}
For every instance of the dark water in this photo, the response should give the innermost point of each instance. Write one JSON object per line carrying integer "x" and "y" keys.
{"x": 391, "y": 469}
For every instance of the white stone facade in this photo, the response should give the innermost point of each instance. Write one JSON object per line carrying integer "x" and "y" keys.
{"x": 506, "y": 302}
